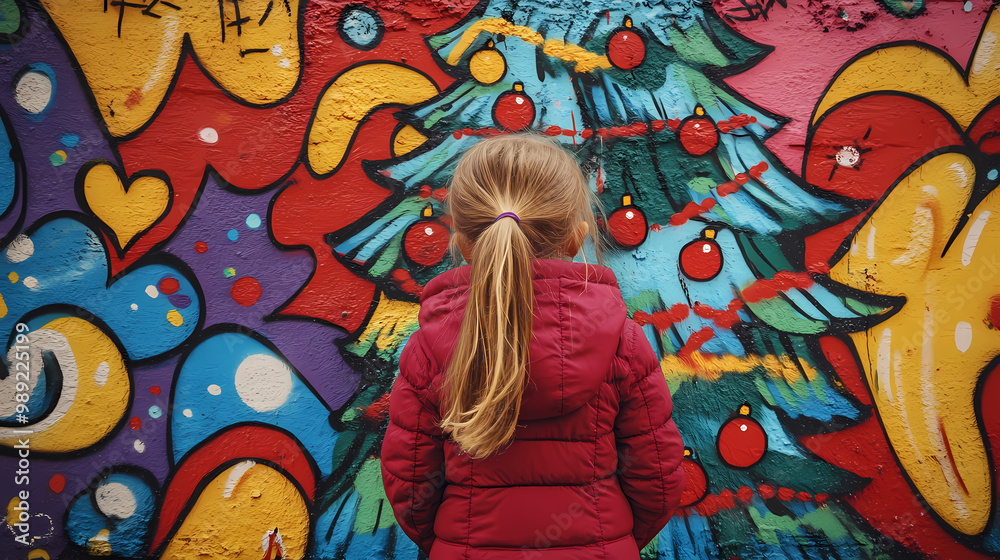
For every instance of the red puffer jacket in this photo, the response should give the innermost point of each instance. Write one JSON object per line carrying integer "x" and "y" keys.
{"x": 594, "y": 469}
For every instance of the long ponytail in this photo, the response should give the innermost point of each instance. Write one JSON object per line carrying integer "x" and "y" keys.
{"x": 490, "y": 361}
{"x": 544, "y": 186}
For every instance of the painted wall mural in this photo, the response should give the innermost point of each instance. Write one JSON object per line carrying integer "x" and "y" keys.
{"x": 216, "y": 220}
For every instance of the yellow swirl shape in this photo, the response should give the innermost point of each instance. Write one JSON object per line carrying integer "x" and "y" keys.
{"x": 349, "y": 98}
{"x": 129, "y": 51}
{"x": 236, "y": 515}
{"x": 96, "y": 389}
{"x": 585, "y": 60}
{"x": 922, "y": 365}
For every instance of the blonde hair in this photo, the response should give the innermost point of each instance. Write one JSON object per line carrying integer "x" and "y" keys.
{"x": 536, "y": 179}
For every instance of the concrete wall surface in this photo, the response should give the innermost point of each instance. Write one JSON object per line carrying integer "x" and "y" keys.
{"x": 217, "y": 218}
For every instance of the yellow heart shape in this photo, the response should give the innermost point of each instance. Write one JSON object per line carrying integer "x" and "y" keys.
{"x": 126, "y": 210}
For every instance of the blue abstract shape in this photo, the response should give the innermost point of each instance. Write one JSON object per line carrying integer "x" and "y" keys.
{"x": 231, "y": 378}
{"x": 63, "y": 262}
{"x": 122, "y": 503}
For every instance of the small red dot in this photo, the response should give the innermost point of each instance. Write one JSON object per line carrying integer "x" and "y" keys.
{"x": 201, "y": 246}
{"x": 155, "y": 389}
{"x": 57, "y": 483}
{"x": 246, "y": 291}
{"x": 169, "y": 285}
{"x": 135, "y": 422}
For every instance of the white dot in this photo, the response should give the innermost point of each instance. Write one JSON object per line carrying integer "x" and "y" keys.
{"x": 208, "y": 135}
{"x": 848, "y": 156}
{"x": 276, "y": 50}
{"x": 284, "y": 63}
{"x": 135, "y": 307}
{"x": 519, "y": 100}
{"x": 706, "y": 248}
{"x": 214, "y": 389}
{"x": 963, "y": 336}
{"x": 114, "y": 499}
{"x": 696, "y": 125}
{"x": 187, "y": 412}
{"x": 20, "y": 249}
{"x": 263, "y": 382}
{"x": 30, "y": 282}
{"x": 151, "y": 291}
{"x": 630, "y": 214}
{"x": 139, "y": 446}
{"x": 33, "y": 91}
{"x": 429, "y": 230}
{"x": 743, "y": 427}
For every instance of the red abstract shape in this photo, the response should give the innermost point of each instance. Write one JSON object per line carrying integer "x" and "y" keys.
{"x": 135, "y": 422}
{"x": 242, "y": 442}
{"x": 260, "y": 147}
{"x": 245, "y": 291}
{"x": 201, "y": 247}
{"x": 695, "y": 341}
{"x": 723, "y": 318}
{"x": 155, "y": 389}
{"x": 168, "y": 285}
{"x": 890, "y": 132}
{"x": 57, "y": 483}
{"x": 402, "y": 279}
{"x": 737, "y": 121}
{"x": 691, "y": 210}
{"x": 662, "y": 320}
{"x": 784, "y": 280}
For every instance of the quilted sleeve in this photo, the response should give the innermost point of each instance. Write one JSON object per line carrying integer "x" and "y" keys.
{"x": 412, "y": 451}
{"x": 649, "y": 446}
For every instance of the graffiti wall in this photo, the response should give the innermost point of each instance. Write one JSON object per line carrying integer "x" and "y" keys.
{"x": 217, "y": 217}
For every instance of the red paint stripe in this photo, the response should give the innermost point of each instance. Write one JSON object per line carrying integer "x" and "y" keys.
{"x": 723, "y": 318}
{"x": 951, "y": 456}
{"x": 691, "y": 210}
{"x": 241, "y": 442}
{"x": 782, "y": 281}
{"x": 738, "y": 121}
{"x": 695, "y": 341}
{"x": 377, "y": 409}
{"x": 662, "y": 320}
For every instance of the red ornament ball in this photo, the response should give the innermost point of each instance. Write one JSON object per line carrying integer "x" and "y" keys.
{"x": 514, "y": 110}
{"x": 698, "y": 136}
{"x": 696, "y": 484}
{"x": 627, "y": 226}
{"x": 742, "y": 442}
{"x": 246, "y": 291}
{"x": 426, "y": 242}
{"x": 701, "y": 259}
{"x": 626, "y": 49}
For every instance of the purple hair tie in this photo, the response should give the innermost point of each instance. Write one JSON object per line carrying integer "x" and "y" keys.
{"x": 508, "y": 215}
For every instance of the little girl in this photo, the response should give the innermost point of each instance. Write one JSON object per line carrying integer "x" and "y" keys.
{"x": 530, "y": 418}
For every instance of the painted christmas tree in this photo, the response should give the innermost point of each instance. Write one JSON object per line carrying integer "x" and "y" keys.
{"x": 706, "y": 226}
